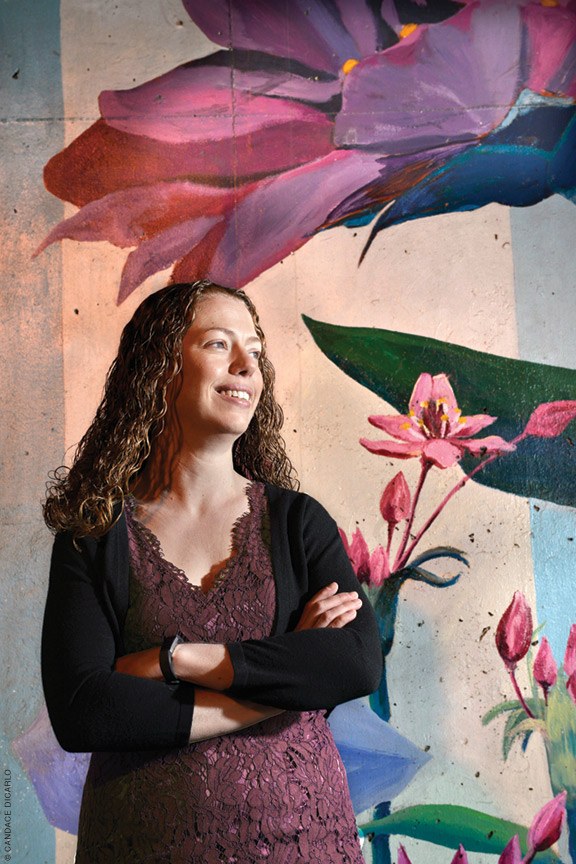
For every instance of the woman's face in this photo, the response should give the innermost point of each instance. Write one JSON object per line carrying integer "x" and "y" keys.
{"x": 221, "y": 381}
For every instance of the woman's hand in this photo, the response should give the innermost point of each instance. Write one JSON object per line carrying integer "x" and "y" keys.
{"x": 328, "y": 608}
{"x": 143, "y": 664}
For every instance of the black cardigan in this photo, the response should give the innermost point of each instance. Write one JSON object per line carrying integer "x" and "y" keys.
{"x": 93, "y": 707}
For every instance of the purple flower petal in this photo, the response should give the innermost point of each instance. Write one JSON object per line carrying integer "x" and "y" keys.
{"x": 57, "y": 776}
{"x": 195, "y": 104}
{"x": 316, "y": 34}
{"x": 283, "y": 212}
{"x": 409, "y": 97}
{"x": 128, "y": 217}
{"x": 162, "y": 251}
{"x": 552, "y": 32}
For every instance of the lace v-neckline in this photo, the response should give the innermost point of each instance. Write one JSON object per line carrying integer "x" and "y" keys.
{"x": 236, "y": 542}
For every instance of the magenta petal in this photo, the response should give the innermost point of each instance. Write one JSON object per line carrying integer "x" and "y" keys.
{"x": 571, "y": 687}
{"x": 284, "y": 212}
{"x": 552, "y": 36}
{"x": 460, "y": 857}
{"x": 161, "y": 252}
{"x": 395, "y": 500}
{"x": 403, "y": 856}
{"x": 441, "y": 452}
{"x": 124, "y": 218}
{"x": 550, "y": 419}
{"x": 547, "y": 825}
{"x": 399, "y": 426}
{"x": 570, "y": 656}
{"x": 460, "y": 77}
{"x": 471, "y": 425}
{"x": 545, "y": 670}
{"x": 514, "y": 631}
{"x": 198, "y": 104}
{"x": 395, "y": 449}
{"x": 312, "y": 33}
{"x": 421, "y": 394}
{"x": 486, "y": 446}
{"x": 511, "y": 853}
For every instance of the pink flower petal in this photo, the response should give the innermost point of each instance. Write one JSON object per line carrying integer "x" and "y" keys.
{"x": 161, "y": 251}
{"x": 395, "y": 500}
{"x": 460, "y": 857}
{"x": 200, "y": 104}
{"x": 128, "y": 216}
{"x": 395, "y": 449}
{"x": 344, "y": 539}
{"x": 552, "y": 38}
{"x": 379, "y": 569}
{"x": 511, "y": 853}
{"x": 547, "y": 825}
{"x": 570, "y": 656}
{"x": 571, "y": 687}
{"x": 421, "y": 394}
{"x": 550, "y": 419}
{"x": 545, "y": 670}
{"x": 399, "y": 426}
{"x": 284, "y": 212}
{"x": 441, "y": 452}
{"x": 486, "y": 446}
{"x": 514, "y": 631}
{"x": 402, "y": 856}
{"x": 470, "y": 425}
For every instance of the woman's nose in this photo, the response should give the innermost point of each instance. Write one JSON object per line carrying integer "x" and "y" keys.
{"x": 244, "y": 363}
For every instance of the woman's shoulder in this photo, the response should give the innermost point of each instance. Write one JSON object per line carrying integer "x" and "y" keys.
{"x": 295, "y": 504}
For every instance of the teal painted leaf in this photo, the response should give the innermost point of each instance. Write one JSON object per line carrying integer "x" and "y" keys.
{"x": 449, "y": 825}
{"x": 518, "y": 725}
{"x": 499, "y": 709}
{"x": 389, "y": 363}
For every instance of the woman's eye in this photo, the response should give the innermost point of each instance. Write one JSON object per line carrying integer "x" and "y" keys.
{"x": 256, "y": 354}
{"x": 217, "y": 343}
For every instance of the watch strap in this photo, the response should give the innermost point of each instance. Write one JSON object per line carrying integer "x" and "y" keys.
{"x": 166, "y": 651}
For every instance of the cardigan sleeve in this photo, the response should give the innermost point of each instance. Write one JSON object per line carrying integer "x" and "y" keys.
{"x": 91, "y": 706}
{"x": 319, "y": 668}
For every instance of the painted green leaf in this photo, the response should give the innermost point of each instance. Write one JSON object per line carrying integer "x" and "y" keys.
{"x": 449, "y": 825}
{"x": 500, "y": 708}
{"x": 518, "y": 725}
{"x": 389, "y": 363}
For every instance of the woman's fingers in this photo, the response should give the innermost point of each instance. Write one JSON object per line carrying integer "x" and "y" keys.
{"x": 328, "y": 608}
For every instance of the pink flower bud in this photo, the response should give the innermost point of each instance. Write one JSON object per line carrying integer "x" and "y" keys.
{"x": 570, "y": 656}
{"x": 550, "y": 419}
{"x": 571, "y": 687}
{"x": 395, "y": 501}
{"x": 514, "y": 631}
{"x": 511, "y": 853}
{"x": 402, "y": 856}
{"x": 545, "y": 669}
{"x": 379, "y": 568}
{"x": 547, "y": 825}
{"x": 460, "y": 857}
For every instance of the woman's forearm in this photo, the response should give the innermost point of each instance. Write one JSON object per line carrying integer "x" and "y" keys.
{"x": 207, "y": 665}
{"x": 217, "y": 714}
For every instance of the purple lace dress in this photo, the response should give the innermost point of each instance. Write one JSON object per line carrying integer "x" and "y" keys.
{"x": 275, "y": 792}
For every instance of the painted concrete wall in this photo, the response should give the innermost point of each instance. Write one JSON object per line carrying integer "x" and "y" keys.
{"x": 498, "y": 280}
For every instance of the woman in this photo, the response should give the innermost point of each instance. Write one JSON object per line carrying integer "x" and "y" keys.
{"x": 197, "y": 623}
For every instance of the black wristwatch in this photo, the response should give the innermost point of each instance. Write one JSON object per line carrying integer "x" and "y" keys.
{"x": 166, "y": 651}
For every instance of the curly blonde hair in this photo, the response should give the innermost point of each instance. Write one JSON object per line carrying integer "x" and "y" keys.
{"x": 133, "y": 410}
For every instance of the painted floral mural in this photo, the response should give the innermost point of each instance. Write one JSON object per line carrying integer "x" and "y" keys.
{"x": 315, "y": 115}
{"x": 318, "y": 114}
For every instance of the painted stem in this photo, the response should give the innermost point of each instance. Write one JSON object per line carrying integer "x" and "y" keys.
{"x": 401, "y": 558}
{"x": 445, "y": 501}
{"x": 571, "y": 825}
{"x": 511, "y": 671}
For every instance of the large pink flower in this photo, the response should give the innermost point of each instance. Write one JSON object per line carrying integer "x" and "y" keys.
{"x": 322, "y": 113}
{"x": 434, "y": 429}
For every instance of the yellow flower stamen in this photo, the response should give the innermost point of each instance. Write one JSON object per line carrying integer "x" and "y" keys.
{"x": 462, "y": 419}
{"x": 412, "y": 413}
{"x": 420, "y": 422}
{"x": 424, "y": 404}
{"x": 549, "y": 3}
{"x": 407, "y": 30}
{"x": 445, "y": 418}
{"x": 349, "y": 65}
{"x": 406, "y": 426}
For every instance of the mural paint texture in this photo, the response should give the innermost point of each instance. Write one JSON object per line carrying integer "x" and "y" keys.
{"x": 297, "y": 123}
